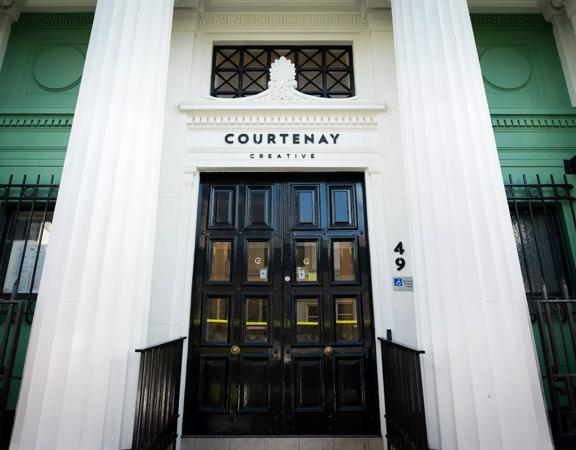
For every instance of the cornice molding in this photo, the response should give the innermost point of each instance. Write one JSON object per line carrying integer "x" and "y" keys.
{"x": 223, "y": 120}
{"x": 515, "y": 21}
{"x": 310, "y": 21}
{"x": 533, "y": 121}
{"x": 56, "y": 20}
{"x": 36, "y": 121}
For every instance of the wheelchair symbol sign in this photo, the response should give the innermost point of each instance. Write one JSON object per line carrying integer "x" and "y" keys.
{"x": 403, "y": 283}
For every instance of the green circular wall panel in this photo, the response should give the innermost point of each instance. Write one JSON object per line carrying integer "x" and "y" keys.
{"x": 59, "y": 68}
{"x": 505, "y": 68}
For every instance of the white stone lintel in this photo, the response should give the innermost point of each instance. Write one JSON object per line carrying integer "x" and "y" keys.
{"x": 343, "y": 107}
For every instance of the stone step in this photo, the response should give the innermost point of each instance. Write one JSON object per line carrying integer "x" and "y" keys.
{"x": 280, "y": 443}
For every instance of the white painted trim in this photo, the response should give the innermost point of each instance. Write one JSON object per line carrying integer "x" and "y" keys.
{"x": 565, "y": 37}
{"x": 9, "y": 13}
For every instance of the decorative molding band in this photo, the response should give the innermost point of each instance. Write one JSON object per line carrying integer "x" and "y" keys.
{"x": 77, "y": 20}
{"x": 515, "y": 21}
{"x": 507, "y": 122}
{"x": 208, "y": 121}
{"x": 283, "y": 20}
{"x": 36, "y": 121}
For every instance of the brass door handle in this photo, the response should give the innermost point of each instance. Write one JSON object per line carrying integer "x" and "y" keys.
{"x": 235, "y": 350}
{"x": 328, "y": 351}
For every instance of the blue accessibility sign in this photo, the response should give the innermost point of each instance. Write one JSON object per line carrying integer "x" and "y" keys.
{"x": 403, "y": 283}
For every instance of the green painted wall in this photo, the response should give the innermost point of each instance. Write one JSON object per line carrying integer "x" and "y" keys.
{"x": 534, "y": 123}
{"x": 533, "y": 120}
{"x": 39, "y": 85}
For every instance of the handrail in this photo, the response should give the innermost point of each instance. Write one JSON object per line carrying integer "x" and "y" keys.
{"x": 161, "y": 344}
{"x": 156, "y": 418}
{"x": 402, "y": 346}
{"x": 403, "y": 396}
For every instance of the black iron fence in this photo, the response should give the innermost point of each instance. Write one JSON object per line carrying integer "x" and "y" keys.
{"x": 403, "y": 396}
{"x": 11, "y": 319}
{"x": 156, "y": 420}
{"x": 544, "y": 223}
{"x": 26, "y": 209}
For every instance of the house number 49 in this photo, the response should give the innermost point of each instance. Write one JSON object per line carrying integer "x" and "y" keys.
{"x": 400, "y": 262}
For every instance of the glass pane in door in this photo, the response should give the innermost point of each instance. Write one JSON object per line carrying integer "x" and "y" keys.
{"x": 346, "y": 319}
{"x": 306, "y": 261}
{"x": 220, "y": 259}
{"x": 257, "y": 263}
{"x": 343, "y": 261}
{"x": 256, "y": 320}
{"x": 216, "y": 316}
{"x": 307, "y": 321}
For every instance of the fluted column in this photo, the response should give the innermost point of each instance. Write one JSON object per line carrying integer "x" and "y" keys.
{"x": 79, "y": 379}
{"x": 9, "y": 13}
{"x": 481, "y": 382}
{"x": 565, "y": 35}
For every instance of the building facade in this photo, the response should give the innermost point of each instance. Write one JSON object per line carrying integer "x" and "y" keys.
{"x": 283, "y": 184}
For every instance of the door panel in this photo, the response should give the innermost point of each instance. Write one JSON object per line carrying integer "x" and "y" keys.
{"x": 281, "y": 336}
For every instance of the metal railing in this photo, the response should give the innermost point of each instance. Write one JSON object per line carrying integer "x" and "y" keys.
{"x": 403, "y": 396}
{"x": 156, "y": 420}
{"x": 11, "y": 318}
{"x": 25, "y": 221}
{"x": 544, "y": 223}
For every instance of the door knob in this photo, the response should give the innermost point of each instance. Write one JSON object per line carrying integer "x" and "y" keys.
{"x": 235, "y": 350}
{"x": 328, "y": 351}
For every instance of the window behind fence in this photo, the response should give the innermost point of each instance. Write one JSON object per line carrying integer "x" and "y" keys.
{"x": 26, "y": 209}
{"x": 544, "y": 221}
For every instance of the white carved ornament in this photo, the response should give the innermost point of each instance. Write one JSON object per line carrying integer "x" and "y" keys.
{"x": 282, "y": 82}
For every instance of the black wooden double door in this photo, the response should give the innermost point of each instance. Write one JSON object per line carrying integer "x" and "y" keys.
{"x": 281, "y": 337}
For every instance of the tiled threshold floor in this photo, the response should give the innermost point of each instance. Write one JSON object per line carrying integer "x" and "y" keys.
{"x": 271, "y": 443}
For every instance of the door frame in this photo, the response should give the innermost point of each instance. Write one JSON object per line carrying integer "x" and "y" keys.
{"x": 282, "y": 227}
{"x": 379, "y": 249}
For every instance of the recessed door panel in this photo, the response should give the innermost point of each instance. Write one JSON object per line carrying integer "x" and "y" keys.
{"x": 258, "y": 206}
{"x": 213, "y": 383}
{"x": 255, "y": 384}
{"x": 350, "y": 385}
{"x": 222, "y": 207}
{"x": 309, "y": 383}
{"x": 281, "y": 336}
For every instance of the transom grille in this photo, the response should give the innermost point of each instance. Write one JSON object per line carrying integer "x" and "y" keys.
{"x": 322, "y": 71}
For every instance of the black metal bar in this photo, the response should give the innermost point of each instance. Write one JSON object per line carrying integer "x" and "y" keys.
{"x": 403, "y": 396}
{"x": 23, "y": 207}
{"x": 156, "y": 419}
{"x": 544, "y": 216}
{"x": 239, "y": 78}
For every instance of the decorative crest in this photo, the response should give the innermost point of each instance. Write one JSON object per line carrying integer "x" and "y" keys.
{"x": 282, "y": 79}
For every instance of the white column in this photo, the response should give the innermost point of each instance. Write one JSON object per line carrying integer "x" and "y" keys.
{"x": 8, "y": 14}
{"x": 481, "y": 382}
{"x": 565, "y": 36}
{"x": 570, "y": 6}
{"x": 79, "y": 380}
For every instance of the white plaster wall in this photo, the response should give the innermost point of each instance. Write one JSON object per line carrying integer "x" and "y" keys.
{"x": 185, "y": 156}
